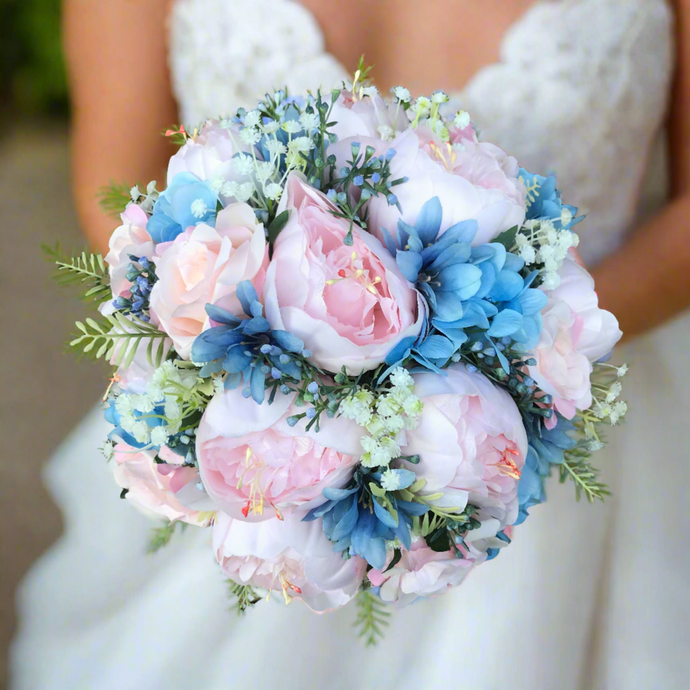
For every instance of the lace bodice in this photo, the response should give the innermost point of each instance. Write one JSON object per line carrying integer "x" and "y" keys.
{"x": 580, "y": 90}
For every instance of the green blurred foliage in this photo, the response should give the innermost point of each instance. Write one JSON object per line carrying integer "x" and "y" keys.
{"x": 32, "y": 70}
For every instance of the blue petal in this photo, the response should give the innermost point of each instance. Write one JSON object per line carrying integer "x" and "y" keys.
{"x": 428, "y": 221}
{"x": 507, "y": 287}
{"x": 383, "y": 515}
{"x": 232, "y": 381}
{"x": 449, "y": 306}
{"x": 401, "y": 351}
{"x": 220, "y": 315}
{"x": 465, "y": 279}
{"x": 346, "y": 524}
{"x": 505, "y": 323}
{"x": 412, "y": 508}
{"x": 288, "y": 341}
{"x": 375, "y": 554}
{"x": 236, "y": 360}
{"x": 465, "y": 231}
{"x": 410, "y": 264}
{"x": 406, "y": 477}
{"x": 436, "y": 347}
{"x": 389, "y": 242}
{"x": 532, "y": 301}
{"x": 246, "y": 294}
{"x": 258, "y": 385}
{"x": 361, "y": 533}
{"x": 338, "y": 494}
{"x": 256, "y": 325}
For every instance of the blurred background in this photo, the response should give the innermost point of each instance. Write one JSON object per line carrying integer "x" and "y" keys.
{"x": 39, "y": 407}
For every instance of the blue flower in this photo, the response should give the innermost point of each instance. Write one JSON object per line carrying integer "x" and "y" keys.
{"x": 467, "y": 289}
{"x": 247, "y": 349}
{"x": 355, "y": 520}
{"x": 546, "y": 448}
{"x": 187, "y": 201}
{"x": 544, "y": 200}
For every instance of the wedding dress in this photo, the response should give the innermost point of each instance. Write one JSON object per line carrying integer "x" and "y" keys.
{"x": 588, "y": 597}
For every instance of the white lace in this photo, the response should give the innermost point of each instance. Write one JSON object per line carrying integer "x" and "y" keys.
{"x": 580, "y": 91}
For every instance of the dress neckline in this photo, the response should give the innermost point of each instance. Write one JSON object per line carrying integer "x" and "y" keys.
{"x": 516, "y": 27}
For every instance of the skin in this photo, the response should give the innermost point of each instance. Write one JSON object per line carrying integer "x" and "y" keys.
{"x": 117, "y": 62}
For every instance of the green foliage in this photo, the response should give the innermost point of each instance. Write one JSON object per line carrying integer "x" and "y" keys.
{"x": 114, "y": 197}
{"x": 118, "y": 338}
{"x": 277, "y": 224}
{"x": 579, "y": 469}
{"x": 161, "y": 536}
{"x": 88, "y": 271}
{"x": 244, "y": 595}
{"x": 372, "y": 617}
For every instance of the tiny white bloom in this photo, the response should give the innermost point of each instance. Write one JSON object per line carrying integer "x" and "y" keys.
{"x": 390, "y": 481}
{"x": 140, "y": 431}
{"x": 309, "y": 121}
{"x": 134, "y": 193}
{"x": 159, "y": 435}
{"x": 198, "y": 208}
{"x": 622, "y": 371}
{"x": 172, "y": 408}
{"x": 390, "y": 446}
{"x": 551, "y": 281}
{"x": 369, "y": 444}
{"x": 108, "y": 449}
{"x": 244, "y": 191}
{"x": 394, "y": 424}
{"x": 375, "y": 426}
{"x": 387, "y": 406}
{"x": 528, "y": 253}
{"x": 273, "y": 191}
{"x": 270, "y": 127}
{"x": 264, "y": 170}
{"x": 226, "y": 123}
{"x": 301, "y": 145}
{"x": 275, "y": 147}
{"x": 400, "y": 377}
{"x": 370, "y": 91}
{"x": 216, "y": 183}
{"x": 401, "y": 93}
{"x": 243, "y": 164}
{"x": 250, "y": 136}
{"x": 385, "y": 132}
{"x": 439, "y": 97}
{"x": 142, "y": 403}
{"x": 124, "y": 404}
{"x": 614, "y": 391}
{"x": 380, "y": 457}
{"x": 594, "y": 446}
{"x": 413, "y": 406}
{"x": 566, "y": 217}
{"x": 291, "y": 126}
{"x": 462, "y": 119}
{"x": 229, "y": 188}
{"x": 252, "y": 118}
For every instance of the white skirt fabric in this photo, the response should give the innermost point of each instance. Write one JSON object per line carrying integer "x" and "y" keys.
{"x": 586, "y": 597}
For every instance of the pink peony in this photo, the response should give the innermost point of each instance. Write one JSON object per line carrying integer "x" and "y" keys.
{"x": 350, "y": 305}
{"x": 575, "y": 333}
{"x": 420, "y": 572}
{"x": 208, "y": 154}
{"x": 204, "y": 265}
{"x": 423, "y": 572}
{"x": 471, "y": 441}
{"x": 130, "y": 238}
{"x": 161, "y": 490}
{"x": 254, "y": 465}
{"x": 366, "y": 118}
{"x": 290, "y": 556}
{"x": 473, "y": 180}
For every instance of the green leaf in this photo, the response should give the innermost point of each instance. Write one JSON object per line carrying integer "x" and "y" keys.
{"x": 277, "y": 224}
{"x": 507, "y": 238}
{"x": 246, "y": 596}
{"x": 371, "y": 617}
{"x": 161, "y": 536}
{"x": 396, "y": 559}
{"x": 86, "y": 271}
{"x": 439, "y": 540}
{"x": 114, "y": 197}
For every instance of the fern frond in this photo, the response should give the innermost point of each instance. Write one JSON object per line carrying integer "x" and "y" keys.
{"x": 246, "y": 596}
{"x": 577, "y": 467}
{"x": 114, "y": 197}
{"x": 372, "y": 617}
{"x": 117, "y": 338}
{"x": 161, "y": 536}
{"x": 86, "y": 270}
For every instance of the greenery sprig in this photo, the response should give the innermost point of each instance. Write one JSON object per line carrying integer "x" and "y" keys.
{"x": 114, "y": 197}
{"x": 244, "y": 596}
{"x": 161, "y": 536}
{"x": 372, "y": 617}
{"x": 86, "y": 271}
{"x": 118, "y": 338}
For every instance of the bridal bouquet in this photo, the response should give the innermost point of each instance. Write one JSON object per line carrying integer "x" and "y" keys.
{"x": 352, "y": 340}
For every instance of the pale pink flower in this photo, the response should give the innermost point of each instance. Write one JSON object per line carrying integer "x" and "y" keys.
{"x": 289, "y": 558}
{"x": 350, "y": 305}
{"x": 360, "y": 119}
{"x": 255, "y": 466}
{"x": 575, "y": 333}
{"x": 161, "y": 490}
{"x": 203, "y": 266}
{"x": 421, "y": 572}
{"x": 473, "y": 181}
{"x": 471, "y": 441}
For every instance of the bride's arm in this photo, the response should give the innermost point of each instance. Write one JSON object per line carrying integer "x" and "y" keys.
{"x": 648, "y": 280}
{"x": 121, "y": 99}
